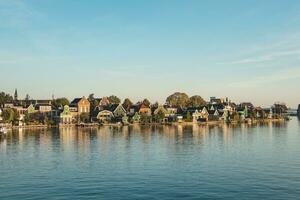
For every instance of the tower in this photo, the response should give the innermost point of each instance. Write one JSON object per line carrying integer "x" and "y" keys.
{"x": 16, "y": 95}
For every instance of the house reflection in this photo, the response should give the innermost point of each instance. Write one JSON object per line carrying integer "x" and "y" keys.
{"x": 86, "y": 140}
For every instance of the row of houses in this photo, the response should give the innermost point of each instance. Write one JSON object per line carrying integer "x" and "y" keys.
{"x": 80, "y": 111}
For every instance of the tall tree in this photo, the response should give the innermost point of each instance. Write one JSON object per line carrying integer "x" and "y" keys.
{"x": 114, "y": 99}
{"x": 146, "y": 102}
{"x": 5, "y": 98}
{"x": 27, "y": 97}
{"x": 94, "y": 102}
{"x": 60, "y": 102}
{"x": 127, "y": 104}
{"x": 10, "y": 115}
{"x": 178, "y": 99}
{"x": 195, "y": 101}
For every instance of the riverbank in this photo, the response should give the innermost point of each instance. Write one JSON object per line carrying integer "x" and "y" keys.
{"x": 95, "y": 125}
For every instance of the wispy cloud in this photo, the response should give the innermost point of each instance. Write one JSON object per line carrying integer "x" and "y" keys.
{"x": 281, "y": 75}
{"x": 264, "y": 58}
{"x": 15, "y": 13}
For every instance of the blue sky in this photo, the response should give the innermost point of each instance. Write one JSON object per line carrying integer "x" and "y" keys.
{"x": 246, "y": 50}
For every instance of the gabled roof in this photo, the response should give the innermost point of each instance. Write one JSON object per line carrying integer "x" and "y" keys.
{"x": 75, "y": 101}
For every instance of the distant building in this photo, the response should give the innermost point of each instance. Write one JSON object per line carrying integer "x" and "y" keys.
{"x": 43, "y": 108}
{"x": 65, "y": 118}
{"x": 80, "y": 105}
{"x": 145, "y": 110}
{"x": 298, "y": 111}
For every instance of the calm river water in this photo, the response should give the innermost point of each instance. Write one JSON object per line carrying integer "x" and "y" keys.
{"x": 153, "y": 162}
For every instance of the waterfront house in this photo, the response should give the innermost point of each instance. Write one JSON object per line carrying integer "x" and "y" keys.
{"x": 80, "y": 105}
{"x": 259, "y": 113}
{"x": 200, "y": 114}
{"x": 43, "y": 108}
{"x": 213, "y": 115}
{"x": 66, "y": 117}
{"x": 118, "y": 110}
{"x": 136, "y": 118}
{"x": 104, "y": 116}
{"x": 279, "y": 109}
{"x": 31, "y": 109}
{"x": 247, "y": 105}
{"x": 268, "y": 113}
{"x": 20, "y": 110}
{"x": 172, "y": 112}
{"x": 103, "y": 102}
{"x": 145, "y": 110}
{"x": 161, "y": 109}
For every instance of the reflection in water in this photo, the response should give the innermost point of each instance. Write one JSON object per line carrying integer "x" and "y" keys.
{"x": 232, "y": 161}
{"x": 80, "y": 139}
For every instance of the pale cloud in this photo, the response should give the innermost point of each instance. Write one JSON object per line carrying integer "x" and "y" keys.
{"x": 15, "y": 14}
{"x": 282, "y": 75}
{"x": 265, "y": 58}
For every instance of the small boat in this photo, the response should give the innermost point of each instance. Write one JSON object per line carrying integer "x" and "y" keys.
{"x": 3, "y": 130}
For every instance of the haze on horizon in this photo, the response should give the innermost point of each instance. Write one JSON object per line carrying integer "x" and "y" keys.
{"x": 244, "y": 50}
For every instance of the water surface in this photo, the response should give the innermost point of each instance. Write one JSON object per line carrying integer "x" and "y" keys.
{"x": 153, "y": 162}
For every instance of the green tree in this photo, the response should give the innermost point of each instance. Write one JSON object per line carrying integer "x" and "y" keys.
{"x": 145, "y": 119}
{"x": 146, "y": 102}
{"x": 5, "y": 98}
{"x": 60, "y": 102}
{"x": 159, "y": 117}
{"x": 195, "y": 101}
{"x": 188, "y": 117}
{"x": 114, "y": 99}
{"x": 127, "y": 104}
{"x": 178, "y": 99}
{"x": 84, "y": 117}
{"x": 8, "y": 115}
{"x": 94, "y": 102}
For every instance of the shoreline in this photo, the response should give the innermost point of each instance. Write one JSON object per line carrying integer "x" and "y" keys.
{"x": 143, "y": 124}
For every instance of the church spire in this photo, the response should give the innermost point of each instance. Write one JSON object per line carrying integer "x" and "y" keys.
{"x": 16, "y": 95}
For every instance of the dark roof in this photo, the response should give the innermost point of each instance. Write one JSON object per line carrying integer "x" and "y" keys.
{"x": 75, "y": 101}
{"x": 193, "y": 109}
{"x": 135, "y": 107}
{"x": 111, "y": 107}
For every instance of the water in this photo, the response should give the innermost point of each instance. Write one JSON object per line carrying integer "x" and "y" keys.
{"x": 148, "y": 162}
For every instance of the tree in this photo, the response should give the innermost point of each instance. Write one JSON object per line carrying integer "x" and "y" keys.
{"x": 5, "y": 98}
{"x": 145, "y": 119}
{"x": 195, "y": 101}
{"x": 60, "y": 102}
{"x": 159, "y": 117}
{"x": 84, "y": 117}
{"x": 235, "y": 116}
{"x": 94, "y": 102}
{"x": 155, "y": 105}
{"x": 178, "y": 99}
{"x": 10, "y": 115}
{"x": 114, "y": 99}
{"x": 27, "y": 97}
{"x": 188, "y": 117}
{"x": 127, "y": 104}
{"x": 146, "y": 102}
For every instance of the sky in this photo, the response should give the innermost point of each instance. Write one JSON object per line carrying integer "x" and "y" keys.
{"x": 244, "y": 50}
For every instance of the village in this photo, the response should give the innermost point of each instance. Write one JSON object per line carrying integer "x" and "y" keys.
{"x": 91, "y": 111}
